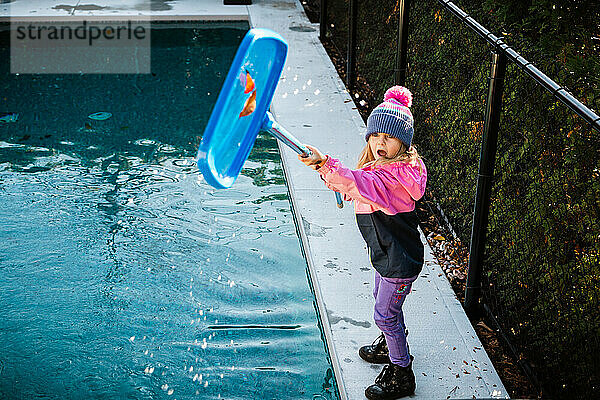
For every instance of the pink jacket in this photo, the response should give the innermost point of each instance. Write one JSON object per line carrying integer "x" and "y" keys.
{"x": 391, "y": 188}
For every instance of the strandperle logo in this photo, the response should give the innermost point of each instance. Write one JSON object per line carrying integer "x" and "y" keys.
{"x": 81, "y": 46}
{"x": 87, "y": 32}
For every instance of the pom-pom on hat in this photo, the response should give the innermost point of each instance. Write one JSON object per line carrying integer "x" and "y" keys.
{"x": 393, "y": 116}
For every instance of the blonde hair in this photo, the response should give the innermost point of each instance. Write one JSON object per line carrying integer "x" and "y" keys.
{"x": 408, "y": 156}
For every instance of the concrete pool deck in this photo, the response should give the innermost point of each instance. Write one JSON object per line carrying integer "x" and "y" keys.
{"x": 312, "y": 102}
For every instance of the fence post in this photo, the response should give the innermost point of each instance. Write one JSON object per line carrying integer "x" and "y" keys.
{"x": 484, "y": 182}
{"x": 323, "y": 20}
{"x": 402, "y": 53}
{"x": 351, "y": 64}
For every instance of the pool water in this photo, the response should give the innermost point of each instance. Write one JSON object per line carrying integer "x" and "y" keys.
{"x": 122, "y": 273}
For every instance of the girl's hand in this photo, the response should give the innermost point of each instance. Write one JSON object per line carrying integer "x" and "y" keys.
{"x": 315, "y": 160}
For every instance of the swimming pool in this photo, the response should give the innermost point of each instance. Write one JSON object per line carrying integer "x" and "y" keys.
{"x": 122, "y": 273}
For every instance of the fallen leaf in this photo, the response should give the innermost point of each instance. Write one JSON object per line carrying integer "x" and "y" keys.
{"x": 484, "y": 326}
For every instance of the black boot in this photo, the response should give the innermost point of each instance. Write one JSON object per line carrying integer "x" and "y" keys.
{"x": 393, "y": 382}
{"x": 377, "y": 353}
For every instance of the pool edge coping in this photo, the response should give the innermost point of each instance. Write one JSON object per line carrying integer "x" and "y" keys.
{"x": 133, "y": 17}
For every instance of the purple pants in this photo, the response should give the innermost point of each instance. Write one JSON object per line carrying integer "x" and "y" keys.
{"x": 389, "y": 296}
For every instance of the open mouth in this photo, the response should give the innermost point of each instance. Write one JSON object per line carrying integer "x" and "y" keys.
{"x": 381, "y": 153}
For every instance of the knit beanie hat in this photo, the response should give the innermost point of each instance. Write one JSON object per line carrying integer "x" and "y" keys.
{"x": 393, "y": 116}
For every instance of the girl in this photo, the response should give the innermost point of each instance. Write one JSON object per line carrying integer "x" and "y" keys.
{"x": 389, "y": 178}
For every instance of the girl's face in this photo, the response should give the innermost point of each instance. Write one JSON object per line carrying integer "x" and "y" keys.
{"x": 384, "y": 146}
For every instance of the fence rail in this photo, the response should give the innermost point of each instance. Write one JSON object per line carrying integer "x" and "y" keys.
{"x": 558, "y": 91}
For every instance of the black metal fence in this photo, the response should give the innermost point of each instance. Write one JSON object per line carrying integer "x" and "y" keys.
{"x": 538, "y": 197}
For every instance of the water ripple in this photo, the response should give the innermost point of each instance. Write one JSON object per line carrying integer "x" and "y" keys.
{"x": 123, "y": 269}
